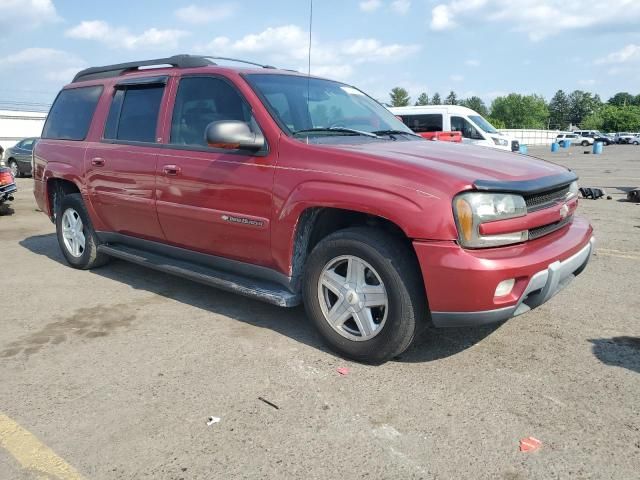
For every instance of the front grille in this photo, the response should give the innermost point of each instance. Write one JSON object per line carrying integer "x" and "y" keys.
{"x": 547, "y": 229}
{"x": 546, "y": 199}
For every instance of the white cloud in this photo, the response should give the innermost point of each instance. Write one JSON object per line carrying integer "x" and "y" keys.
{"x": 472, "y": 62}
{"x": 370, "y": 5}
{"x": 456, "y": 78}
{"x": 55, "y": 65}
{"x": 627, "y": 54}
{"x": 198, "y": 14}
{"x": 401, "y": 7}
{"x": 21, "y": 14}
{"x": 587, "y": 83}
{"x": 538, "y": 19}
{"x": 287, "y": 46}
{"x": 119, "y": 37}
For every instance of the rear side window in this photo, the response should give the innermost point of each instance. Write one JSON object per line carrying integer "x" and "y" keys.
{"x": 133, "y": 116}
{"x": 431, "y": 122}
{"x": 71, "y": 113}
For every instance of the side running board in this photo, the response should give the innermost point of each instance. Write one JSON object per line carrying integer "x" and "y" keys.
{"x": 263, "y": 290}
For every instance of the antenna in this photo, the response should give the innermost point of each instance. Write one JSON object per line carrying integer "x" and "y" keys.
{"x": 309, "y": 64}
{"x": 310, "y": 28}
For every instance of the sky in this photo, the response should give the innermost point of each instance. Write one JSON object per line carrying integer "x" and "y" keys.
{"x": 475, "y": 47}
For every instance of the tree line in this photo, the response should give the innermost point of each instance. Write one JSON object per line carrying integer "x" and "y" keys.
{"x": 579, "y": 109}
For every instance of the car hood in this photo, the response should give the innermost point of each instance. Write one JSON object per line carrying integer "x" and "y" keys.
{"x": 462, "y": 163}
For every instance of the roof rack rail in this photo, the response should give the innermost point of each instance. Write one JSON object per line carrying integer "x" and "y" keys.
{"x": 107, "y": 71}
{"x": 239, "y": 61}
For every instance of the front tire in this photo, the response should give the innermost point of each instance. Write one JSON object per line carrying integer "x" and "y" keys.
{"x": 364, "y": 293}
{"x": 585, "y": 143}
{"x": 76, "y": 237}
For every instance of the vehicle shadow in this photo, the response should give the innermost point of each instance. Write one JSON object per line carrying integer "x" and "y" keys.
{"x": 618, "y": 351}
{"x": 432, "y": 345}
{"x": 6, "y": 210}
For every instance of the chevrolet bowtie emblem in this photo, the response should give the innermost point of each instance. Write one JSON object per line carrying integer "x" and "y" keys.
{"x": 564, "y": 211}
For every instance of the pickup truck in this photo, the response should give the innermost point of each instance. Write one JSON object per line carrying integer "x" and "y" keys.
{"x": 292, "y": 189}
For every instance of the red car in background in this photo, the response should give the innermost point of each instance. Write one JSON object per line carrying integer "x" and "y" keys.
{"x": 290, "y": 189}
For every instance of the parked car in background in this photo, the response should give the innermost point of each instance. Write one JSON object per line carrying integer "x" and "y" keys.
{"x": 572, "y": 138}
{"x": 18, "y": 157}
{"x": 295, "y": 189}
{"x": 7, "y": 185}
{"x": 595, "y": 135}
{"x": 585, "y": 137}
{"x": 623, "y": 137}
{"x": 475, "y": 129}
{"x": 635, "y": 140}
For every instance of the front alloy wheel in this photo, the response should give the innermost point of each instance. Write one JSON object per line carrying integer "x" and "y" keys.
{"x": 15, "y": 171}
{"x": 353, "y": 298}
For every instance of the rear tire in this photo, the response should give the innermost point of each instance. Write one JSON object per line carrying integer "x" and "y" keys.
{"x": 585, "y": 143}
{"x": 15, "y": 170}
{"x": 364, "y": 293}
{"x": 76, "y": 237}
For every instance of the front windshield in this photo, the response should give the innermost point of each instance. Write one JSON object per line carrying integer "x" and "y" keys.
{"x": 313, "y": 106}
{"x": 483, "y": 124}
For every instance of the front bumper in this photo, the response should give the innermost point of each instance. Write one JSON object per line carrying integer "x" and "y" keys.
{"x": 461, "y": 284}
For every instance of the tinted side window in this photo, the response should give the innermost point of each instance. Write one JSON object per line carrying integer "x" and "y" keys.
{"x": 71, "y": 113}
{"x": 133, "y": 115}
{"x": 431, "y": 122}
{"x": 202, "y": 100}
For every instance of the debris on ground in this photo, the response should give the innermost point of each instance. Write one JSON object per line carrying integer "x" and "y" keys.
{"x": 530, "y": 444}
{"x": 271, "y": 404}
{"x": 592, "y": 192}
{"x": 343, "y": 371}
{"x": 634, "y": 195}
{"x": 213, "y": 420}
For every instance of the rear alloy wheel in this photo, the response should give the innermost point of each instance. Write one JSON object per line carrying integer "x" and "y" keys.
{"x": 364, "y": 293}
{"x": 13, "y": 165}
{"x": 76, "y": 237}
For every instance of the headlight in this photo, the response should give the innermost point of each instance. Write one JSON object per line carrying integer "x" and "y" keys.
{"x": 573, "y": 190}
{"x": 500, "y": 141}
{"x": 470, "y": 209}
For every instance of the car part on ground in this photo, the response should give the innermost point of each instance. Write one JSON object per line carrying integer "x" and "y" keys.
{"x": 7, "y": 185}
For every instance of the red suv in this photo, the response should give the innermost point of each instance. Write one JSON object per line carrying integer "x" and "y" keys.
{"x": 289, "y": 188}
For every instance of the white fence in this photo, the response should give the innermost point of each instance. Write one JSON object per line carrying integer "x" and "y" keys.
{"x": 532, "y": 137}
{"x": 16, "y": 125}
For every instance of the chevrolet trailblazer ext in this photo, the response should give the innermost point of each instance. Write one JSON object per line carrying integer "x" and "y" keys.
{"x": 289, "y": 189}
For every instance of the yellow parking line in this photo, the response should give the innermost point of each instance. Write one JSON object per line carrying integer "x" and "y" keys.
{"x": 32, "y": 454}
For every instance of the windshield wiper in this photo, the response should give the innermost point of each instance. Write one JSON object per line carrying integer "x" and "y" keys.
{"x": 349, "y": 131}
{"x": 394, "y": 132}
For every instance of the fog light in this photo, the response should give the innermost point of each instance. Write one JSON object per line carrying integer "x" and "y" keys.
{"x": 505, "y": 287}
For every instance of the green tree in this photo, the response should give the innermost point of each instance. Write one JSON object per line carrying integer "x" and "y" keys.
{"x": 399, "y": 97}
{"x": 581, "y": 105}
{"x": 423, "y": 99}
{"x": 611, "y": 118}
{"x": 475, "y": 103}
{"x": 520, "y": 111}
{"x": 452, "y": 98}
{"x": 559, "y": 109}
{"x": 622, "y": 99}
{"x": 496, "y": 122}
{"x": 636, "y": 101}
{"x": 436, "y": 100}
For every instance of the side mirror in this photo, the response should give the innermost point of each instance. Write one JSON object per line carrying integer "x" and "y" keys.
{"x": 233, "y": 134}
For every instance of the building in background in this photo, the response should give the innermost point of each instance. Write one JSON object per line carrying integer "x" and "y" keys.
{"x": 18, "y": 124}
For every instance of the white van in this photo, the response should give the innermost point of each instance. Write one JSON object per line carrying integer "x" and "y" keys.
{"x": 454, "y": 118}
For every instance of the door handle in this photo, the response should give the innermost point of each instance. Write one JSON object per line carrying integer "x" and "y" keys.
{"x": 172, "y": 170}
{"x": 97, "y": 161}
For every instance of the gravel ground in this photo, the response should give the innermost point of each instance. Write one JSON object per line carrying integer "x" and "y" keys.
{"x": 117, "y": 370}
